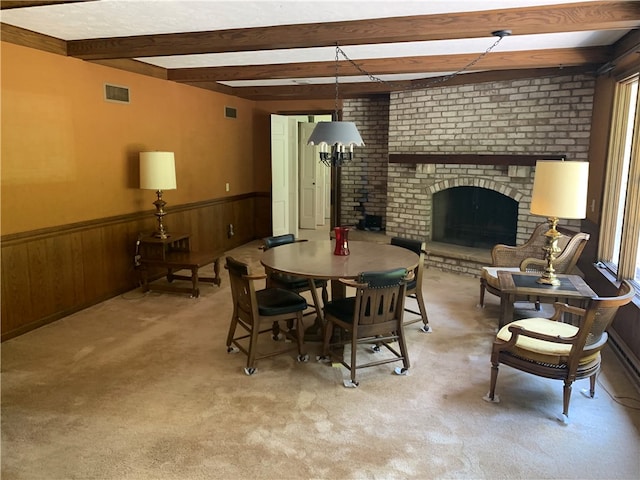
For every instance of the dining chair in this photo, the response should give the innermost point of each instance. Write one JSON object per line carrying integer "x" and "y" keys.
{"x": 414, "y": 287}
{"x": 373, "y": 316}
{"x": 552, "y": 349}
{"x": 291, "y": 282}
{"x": 253, "y": 308}
{"x": 530, "y": 257}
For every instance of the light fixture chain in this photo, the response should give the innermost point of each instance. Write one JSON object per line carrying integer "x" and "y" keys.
{"x": 426, "y": 84}
{"x": 336, "y": 101}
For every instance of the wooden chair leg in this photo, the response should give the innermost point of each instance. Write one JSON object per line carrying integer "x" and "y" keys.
{"x": 300, "y": 334}
{"x": 482, "y": 289}
{"x": 325, "y": 294}
{"x": 404, "y": 351}
{"x": 328, "y": 331}
{"x": 566, "y": 397}
{"x": 494, "y": 380}
{"x": 592, "y": 385}
{"x": 354, "y": 351}
{"x": 253, "y": 347}
{"x": 232, "y": 328}
{"x": 423, "y": 309}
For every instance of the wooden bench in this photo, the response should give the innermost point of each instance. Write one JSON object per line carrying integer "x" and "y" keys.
{"x": 176, "y": 261}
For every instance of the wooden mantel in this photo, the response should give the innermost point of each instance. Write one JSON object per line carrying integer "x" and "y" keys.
{"x": 471, "y": 158}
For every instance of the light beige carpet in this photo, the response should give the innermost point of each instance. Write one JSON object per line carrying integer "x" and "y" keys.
{"x": 141, "y": 387}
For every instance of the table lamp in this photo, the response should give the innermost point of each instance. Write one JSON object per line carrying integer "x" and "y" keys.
{"x": 559, "y": 191}
{"x": 158, "y": 172}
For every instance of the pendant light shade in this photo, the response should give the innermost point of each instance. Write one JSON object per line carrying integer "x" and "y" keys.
{"x": 333, "y": 139}
{"x": 331, "y": 133}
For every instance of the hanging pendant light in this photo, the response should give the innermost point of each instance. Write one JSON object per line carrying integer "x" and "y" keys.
{"x": 336, "y": 139}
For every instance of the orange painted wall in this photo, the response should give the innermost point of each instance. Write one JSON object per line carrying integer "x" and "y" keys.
{"x": 69, "y": 156}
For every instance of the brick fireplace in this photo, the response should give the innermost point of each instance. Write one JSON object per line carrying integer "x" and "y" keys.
{"x": 544, "y": 117}
{"x": 473, "y": 217}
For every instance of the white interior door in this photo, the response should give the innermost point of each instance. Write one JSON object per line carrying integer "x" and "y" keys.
{"x": 280, "y": 223}
{"x": 308, "y": 195}
{"x": 321, "y": 178}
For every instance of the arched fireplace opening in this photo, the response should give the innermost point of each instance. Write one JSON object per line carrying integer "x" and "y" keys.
{"x": 474, "y": 217}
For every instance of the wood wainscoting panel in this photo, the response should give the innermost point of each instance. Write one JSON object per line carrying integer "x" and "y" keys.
{"x": 41, "y": 277}
{"x": 50, "y": 273}
{"x": 66, "y": 257}
{"x": 94, "y": 263}
{"x": 16, "y": 287}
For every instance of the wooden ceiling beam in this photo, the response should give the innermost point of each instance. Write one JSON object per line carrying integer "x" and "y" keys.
{"x": 27, "y": 38}
{"x": 367, "y": 89}
{"x": 601, "y": 15}
{"x": 8, "y": 4}
{"x": 566, "y": 57}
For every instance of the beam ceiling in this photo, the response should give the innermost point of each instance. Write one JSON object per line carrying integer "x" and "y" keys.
{"x": 138, "y": 52}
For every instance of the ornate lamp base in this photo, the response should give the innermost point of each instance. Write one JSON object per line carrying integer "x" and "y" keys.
{"x": 548, "y": 277}
{"x": 161, "y": 232}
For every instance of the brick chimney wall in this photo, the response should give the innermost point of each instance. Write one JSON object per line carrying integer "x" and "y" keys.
{"x": 366, "y": 177}
{"x": 537, "y": 116}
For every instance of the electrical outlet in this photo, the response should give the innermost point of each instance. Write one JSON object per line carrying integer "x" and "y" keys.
{"x": 230, "y": 232}
{"x": 226, "y": 186}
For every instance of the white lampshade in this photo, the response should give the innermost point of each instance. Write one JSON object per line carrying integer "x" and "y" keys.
{"x": 560, "y": 189}
{"x": 331, "y": 133}
{"x": 157, "y": 171}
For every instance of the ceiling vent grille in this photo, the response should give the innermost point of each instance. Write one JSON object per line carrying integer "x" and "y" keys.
{"x": 115, "y": 93}
{"x": 230, "y": 112}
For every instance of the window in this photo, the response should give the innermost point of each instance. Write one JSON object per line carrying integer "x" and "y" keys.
{"x": 619, "y": 245}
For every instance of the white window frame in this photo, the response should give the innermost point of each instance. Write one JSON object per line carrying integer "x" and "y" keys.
{"x": 619, "y": 247}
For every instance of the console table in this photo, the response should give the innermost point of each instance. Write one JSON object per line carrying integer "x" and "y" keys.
{"x": 174, "y": 254}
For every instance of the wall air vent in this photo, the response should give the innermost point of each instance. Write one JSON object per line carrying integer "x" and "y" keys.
{"x": 115, "y": 93}
{"x": 230, "y": 112}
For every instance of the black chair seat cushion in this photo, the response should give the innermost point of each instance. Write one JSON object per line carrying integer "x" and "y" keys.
{"x": 412, "y": 285}
{"x": 294, "y": 283}
{"x": 342, "y": 309}
{"x": 276, "y": 301}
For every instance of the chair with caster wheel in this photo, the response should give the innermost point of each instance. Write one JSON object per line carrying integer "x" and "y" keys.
{"x": 414, "y": 287}
{"x": 373, "y": 316}
{"x": 291, "y": 282}
{"x": 254, "y": 309}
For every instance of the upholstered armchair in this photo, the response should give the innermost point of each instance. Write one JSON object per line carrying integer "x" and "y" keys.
{"x": 529, "y": 257}
{"x": 552, "y": 349}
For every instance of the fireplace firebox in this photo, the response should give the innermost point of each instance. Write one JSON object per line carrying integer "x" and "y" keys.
{"x": 474, "y": 217}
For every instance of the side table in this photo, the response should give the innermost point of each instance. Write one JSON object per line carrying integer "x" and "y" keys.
{"x": 174, "y": 254}
{"x": 572, "y": 288}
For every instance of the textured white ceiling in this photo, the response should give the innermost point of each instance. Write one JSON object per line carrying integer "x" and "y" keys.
{"x": 114, "y": 18}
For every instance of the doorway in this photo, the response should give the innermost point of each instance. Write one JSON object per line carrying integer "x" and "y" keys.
{"x": 301, "y": 186}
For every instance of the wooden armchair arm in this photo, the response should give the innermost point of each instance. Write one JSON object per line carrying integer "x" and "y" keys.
{"x": 561, "y": 308}
{"x": 517, "y": 330}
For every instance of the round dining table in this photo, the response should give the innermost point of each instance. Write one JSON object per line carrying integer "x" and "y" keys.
{"x": 315, "y": 259}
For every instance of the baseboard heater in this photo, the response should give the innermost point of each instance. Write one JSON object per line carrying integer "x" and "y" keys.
{"x": 628, "y": 359}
